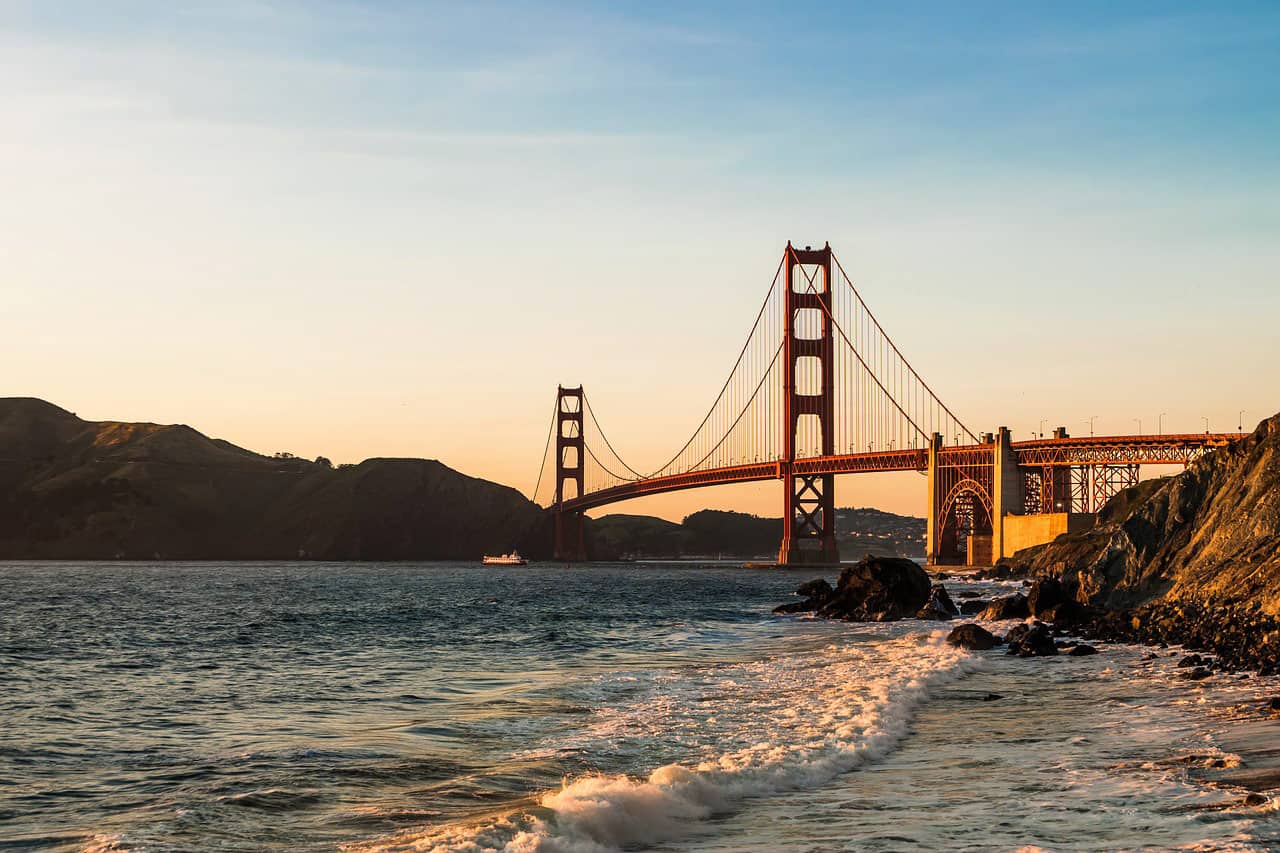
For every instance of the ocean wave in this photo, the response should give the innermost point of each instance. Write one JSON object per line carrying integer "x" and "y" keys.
{"x": 766, "y": 727}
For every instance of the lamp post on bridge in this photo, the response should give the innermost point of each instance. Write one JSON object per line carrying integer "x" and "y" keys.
{"x": 1206, "y": 424}
{"x": 1091, "y": 420}
{"x": 1139, "y": 423}
{"x": 1240, "y": 423}
{"x": 1160, "y": 424}
{"x": 1043, "y": 421}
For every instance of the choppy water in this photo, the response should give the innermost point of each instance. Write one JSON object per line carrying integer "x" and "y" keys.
{"x": 452, "y": 707}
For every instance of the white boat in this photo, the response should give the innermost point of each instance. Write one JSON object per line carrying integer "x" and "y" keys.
{"x": 512, "y": 559}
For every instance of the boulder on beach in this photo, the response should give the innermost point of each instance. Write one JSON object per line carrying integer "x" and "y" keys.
{"x": 974, "y": 606}
{"x": 1031, "y": 639}
{"x": 972, "y": 636}
{"x": 1082, "y": 650}
{"x": 1007, "y": 607}
{"x": 878, "y": 589}
{"x": 939, "y": 607}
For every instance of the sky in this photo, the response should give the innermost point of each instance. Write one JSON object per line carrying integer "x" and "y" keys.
{"x": 390, "y": 228}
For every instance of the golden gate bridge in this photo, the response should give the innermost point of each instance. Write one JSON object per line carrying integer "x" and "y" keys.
{"x": 820, "y": 389}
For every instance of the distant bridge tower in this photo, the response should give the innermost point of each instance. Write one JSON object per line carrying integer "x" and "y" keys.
{"x": 570, "y": 539}
{"x": 808, "y": 391}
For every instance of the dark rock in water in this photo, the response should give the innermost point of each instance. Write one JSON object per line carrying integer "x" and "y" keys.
{"x": 816, "y": 588}
{"x": 992, "y": 697}
{"x": 1082, "y": 650}
{"x": 1274, "y": 704}
{"x": 1195, "y": 674}
{"x": 1008, "y": 607}
{"x": 968, "y": 593}
{"x": 1031, "y": 640}
{"x": 878, "y": 589}
{"x": 971, "y": 636}
{"x": 806, "y": 606}
{"x": 939, "y": 606}
{"x": 973, "y": 606}
{"x": 816, "y": 593}
{"x": 942, "y": 576}
{"x": 1190, "y": 660}
{"x": 1045, "y": 594}
{"x": 1253, "y": 798}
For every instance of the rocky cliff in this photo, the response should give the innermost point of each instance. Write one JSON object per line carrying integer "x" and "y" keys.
{"x": 75, "y": 489}
{"x": 1192, "y": 558}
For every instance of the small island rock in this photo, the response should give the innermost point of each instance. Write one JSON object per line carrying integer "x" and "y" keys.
{"x": 878, "y": 589}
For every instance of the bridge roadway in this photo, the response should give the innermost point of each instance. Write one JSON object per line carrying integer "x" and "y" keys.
{"x": 1048, "y": 452}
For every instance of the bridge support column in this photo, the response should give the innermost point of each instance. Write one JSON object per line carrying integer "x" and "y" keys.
{"x": 571, "y": 543}
{"x": 809, "y": 513}
{"x": 1007, "y": 488}
{"x": 933, "y": 524}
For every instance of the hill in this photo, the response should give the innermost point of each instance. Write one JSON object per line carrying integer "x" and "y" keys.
{"x": 75, "y": 489}
{"x": 736, "y": 534}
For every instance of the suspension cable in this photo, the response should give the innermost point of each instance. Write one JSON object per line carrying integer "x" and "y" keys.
{"x": 858, "y": 356}
{"x": 555, "y": 410}
{"x": 600, "y": 430}
{"x": 720, "y": 396}
{"x": 885, "y": 335}
{"x": 741, "y": 414}
{"x": 604, "y": 467}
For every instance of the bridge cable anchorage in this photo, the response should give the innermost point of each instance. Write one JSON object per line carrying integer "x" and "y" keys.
{"x": 587, "y": 404}
{"x": 546, "y": 450}
{"x": 885, "y": 335}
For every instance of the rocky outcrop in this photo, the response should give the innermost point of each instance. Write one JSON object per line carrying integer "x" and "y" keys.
{"x": 1006, "y": 607}
{"x": 878, "y": 589}
{"x": 1209, "y": 535}
{"x": 1031, "y": 639}
{"x": 1193, "y": 558}
{"x": 971, "y": 636}
{"x": 1046, "y": 594}
{"x": 939, "y": 607}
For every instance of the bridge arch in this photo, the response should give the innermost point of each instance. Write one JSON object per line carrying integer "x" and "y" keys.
{"x": 966, "y": 523}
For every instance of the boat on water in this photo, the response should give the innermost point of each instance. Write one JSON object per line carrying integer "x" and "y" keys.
{"x": 512, "y": 559}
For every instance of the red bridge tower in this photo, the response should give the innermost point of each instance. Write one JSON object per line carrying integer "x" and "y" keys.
{"x": 809, "y": 514}
{"x": 570, "y": 542}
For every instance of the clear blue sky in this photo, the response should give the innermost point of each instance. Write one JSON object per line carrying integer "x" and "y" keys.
{"x": 362, "y": 229}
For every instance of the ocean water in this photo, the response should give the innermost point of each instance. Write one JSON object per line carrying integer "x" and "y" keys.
{"x": 440, "y": 706}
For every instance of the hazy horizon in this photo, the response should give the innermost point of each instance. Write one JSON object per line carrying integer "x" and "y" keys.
{"x": 390, "y": 229}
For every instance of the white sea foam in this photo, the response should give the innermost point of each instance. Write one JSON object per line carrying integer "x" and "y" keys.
{"x": 736, "y": 732}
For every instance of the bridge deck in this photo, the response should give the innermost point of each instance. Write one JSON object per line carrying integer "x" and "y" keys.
{"x": 1048, "y": 452}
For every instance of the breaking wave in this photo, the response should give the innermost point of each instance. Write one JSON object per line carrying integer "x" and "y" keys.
{"x": 731, "y": 733}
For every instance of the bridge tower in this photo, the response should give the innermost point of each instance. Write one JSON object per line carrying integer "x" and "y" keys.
{"x": 809, "y": 516}
{"x": 570, "y": 539}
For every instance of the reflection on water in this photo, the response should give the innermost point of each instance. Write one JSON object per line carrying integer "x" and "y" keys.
{"x": 435, "y": 706}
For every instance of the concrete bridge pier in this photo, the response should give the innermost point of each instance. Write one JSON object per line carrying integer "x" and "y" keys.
{"x": 1007, "y": 490}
